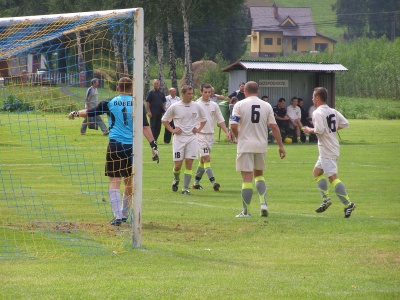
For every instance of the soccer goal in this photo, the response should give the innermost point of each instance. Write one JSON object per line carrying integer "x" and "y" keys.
{"x": 53, "y": 191}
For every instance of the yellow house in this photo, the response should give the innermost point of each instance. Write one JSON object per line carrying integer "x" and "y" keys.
{"x": 280, "y": 31}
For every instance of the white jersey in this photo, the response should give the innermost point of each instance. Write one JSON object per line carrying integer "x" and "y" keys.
{"x": 171, "y": 101}
{"x": 326, "y": 122}
{"x": 253, "y": 115}
{"x": 186, "y": 116}
{"x": 213, "y": 114}
{"x": 293, "y": 112}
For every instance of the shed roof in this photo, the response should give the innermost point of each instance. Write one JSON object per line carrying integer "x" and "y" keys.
{"x": 285, "y": 66}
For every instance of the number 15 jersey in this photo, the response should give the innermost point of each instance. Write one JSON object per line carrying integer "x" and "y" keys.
{"x": 253, "y": 115}
{"x": 326, "y": 122}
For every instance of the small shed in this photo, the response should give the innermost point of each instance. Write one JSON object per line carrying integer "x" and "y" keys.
{"x": 278, "y": 79}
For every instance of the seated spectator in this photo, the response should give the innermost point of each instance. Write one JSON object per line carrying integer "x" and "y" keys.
{"x": 303, "y": 119}
{"x": 281, "y": 117}
{"x": 234, "y": 100}
{"x": 265, "y": 98}
{"x": 294, "y": 114}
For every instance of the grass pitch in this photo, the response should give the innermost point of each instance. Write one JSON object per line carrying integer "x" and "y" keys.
{"x": 193, "y": 246}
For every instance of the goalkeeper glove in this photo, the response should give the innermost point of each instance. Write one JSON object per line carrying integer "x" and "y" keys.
{"x": 73, "y": 114}
{"x": 154, "y": 150}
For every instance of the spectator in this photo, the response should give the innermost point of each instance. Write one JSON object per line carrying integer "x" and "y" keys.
{"x": 294, "y": 114}
{"x": 155, "y": 105}
{"x": 215, "y": 97}
{"x": 186, "y": 115}
{"x": 120, "y": 147}
{"x": 91, "y": 101}
{"x": 281, "y": 117}
{"x": 206, "y": 137}
{"x": 249, "y": 121}
{"x": 304, "y": 119}
{"x": 265, "y": 98}
{"x": 327, "y": 122}
{"x": 170, "y": 99}
{"x": 238, "y": 93}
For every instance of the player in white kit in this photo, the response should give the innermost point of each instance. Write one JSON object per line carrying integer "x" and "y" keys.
{"x": 249, "y": 121}
{"x": 327, "y": 121}
{"x": 206, "y": 137}
{"x": 189, "y": 119}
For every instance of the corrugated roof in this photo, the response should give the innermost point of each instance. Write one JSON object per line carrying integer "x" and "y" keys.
{"x": 285, "y": 66}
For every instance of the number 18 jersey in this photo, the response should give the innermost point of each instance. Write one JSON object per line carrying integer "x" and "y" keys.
{"x": 253, "y": 115}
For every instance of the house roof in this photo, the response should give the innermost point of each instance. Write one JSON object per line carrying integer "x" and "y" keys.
{"x": 263, "y": 20}
{"x": 285, "y": 66}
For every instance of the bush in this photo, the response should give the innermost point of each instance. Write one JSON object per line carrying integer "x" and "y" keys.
{"x": 14, "y": 104}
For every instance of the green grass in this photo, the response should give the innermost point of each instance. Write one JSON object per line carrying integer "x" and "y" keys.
{"x": 193, "y": 246}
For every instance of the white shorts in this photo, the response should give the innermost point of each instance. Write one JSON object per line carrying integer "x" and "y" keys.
{"x": 328, "y": 165}
{"x": 184, "y": 146}
{"x": 206, "y": 141}
{"x": 248, "y": 162}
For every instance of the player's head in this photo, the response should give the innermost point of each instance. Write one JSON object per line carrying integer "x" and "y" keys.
{"x": 94, "y": 81}
{"x": 241, "y": 86}
{"x": 125, "y": 85}
{"x": 187, "y": 93}
{"x": 251, "y": 89}
{"x": 321, "y": 93}
{"x": 206, "y": 90}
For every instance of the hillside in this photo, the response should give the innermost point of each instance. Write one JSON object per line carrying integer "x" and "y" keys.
{"x": 323, "y": 16}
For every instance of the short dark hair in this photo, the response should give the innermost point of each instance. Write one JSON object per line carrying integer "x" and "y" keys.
{"x": 94, "y": 80}
{"x": 300, "y": 99}
{"x": 264, "y": 97}
{"x": 205, "y": 86}
{"x": 322, "y": 93}
{"x": 186, "y": 88}
{"x": 281, "y": 100}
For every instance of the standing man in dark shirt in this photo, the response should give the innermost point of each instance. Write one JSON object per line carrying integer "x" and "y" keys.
{"x": 238, "y": 94}
{"x": 155, "y": 105}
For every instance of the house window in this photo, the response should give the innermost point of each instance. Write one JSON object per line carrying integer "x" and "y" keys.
{"x": 268, "y": 41}
{"x": 279, "y": 41}
{"x": 321, "y": 46}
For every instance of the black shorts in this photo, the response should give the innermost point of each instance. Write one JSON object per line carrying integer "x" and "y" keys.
{"x": 118, "y": 160}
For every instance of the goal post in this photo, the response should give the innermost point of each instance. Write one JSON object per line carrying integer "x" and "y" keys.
{"x": 53, "y": 192}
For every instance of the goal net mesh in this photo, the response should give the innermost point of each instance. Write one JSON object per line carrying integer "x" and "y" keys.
{"x": 53, "y": 192}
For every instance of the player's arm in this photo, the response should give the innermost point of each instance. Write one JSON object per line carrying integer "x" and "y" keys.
{"x": 277, "y": 136}
{"x": 100, "y": 109}
{"x": 220, "y": 97}
{"x": 341, "y": 121}
{"x": 223, "y": 126}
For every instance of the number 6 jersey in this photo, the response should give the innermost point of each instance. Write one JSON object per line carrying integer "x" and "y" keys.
{"x": 253, "y": 115}
{"x": 326, "y": 122}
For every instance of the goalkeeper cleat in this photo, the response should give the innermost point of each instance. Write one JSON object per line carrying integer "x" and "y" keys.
{"x": 349, "y": 209}
{"x": 185, "y": 192}
{"x": 324, "y": 205}
{"x": 264, "y": 210}
{"x": 116, "y": 222}
{"x": 124, "y": 219}
{"x": 243, "y": 215}
{"x": 216, "y": 186}
{"x": 197, "y": 187}
{"x": 175, "y": 185}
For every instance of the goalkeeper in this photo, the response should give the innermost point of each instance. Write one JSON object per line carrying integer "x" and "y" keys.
{"x": 120, "y": 146}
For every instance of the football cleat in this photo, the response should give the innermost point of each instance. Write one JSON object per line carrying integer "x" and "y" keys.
{"x": 349, "y": 209}
{"x": 324, "y": 205}
{"x": 197, "y": 187}
{"x": 243, "y": 215}
{"x": 116, "y": 222}
{"x": 185, "y": 192}
{"x": 216, "y": 186}
{"x": 175, "y": 185}
{"x": 264, "y": 210}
